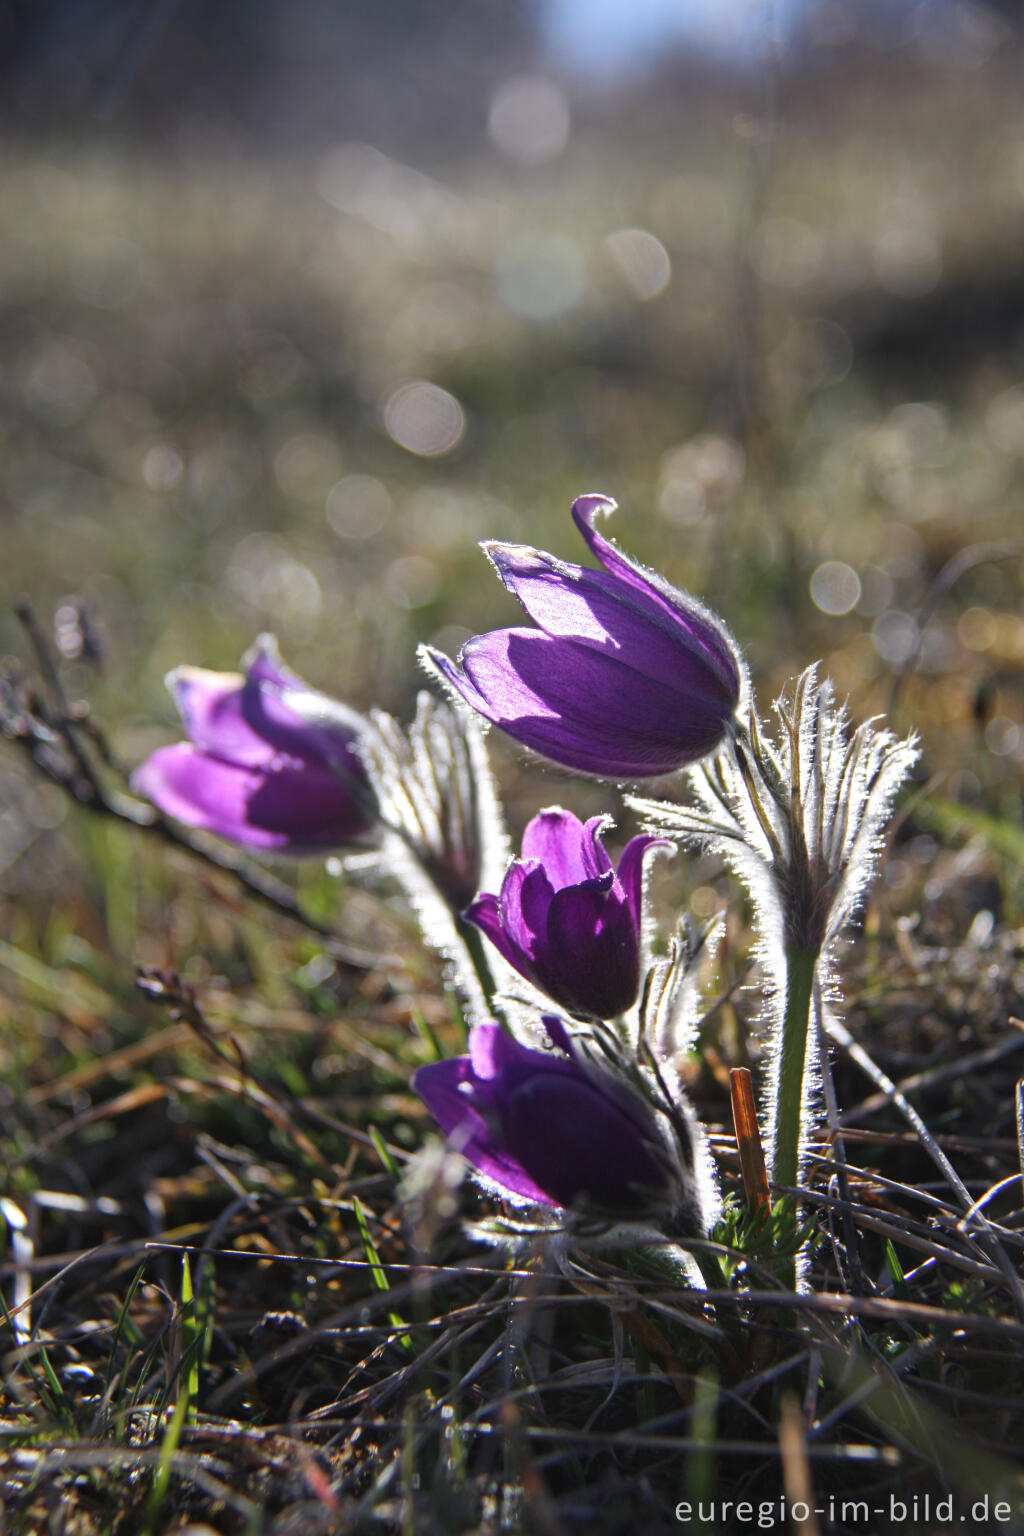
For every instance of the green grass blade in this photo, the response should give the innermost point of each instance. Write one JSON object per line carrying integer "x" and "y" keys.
{"x": 380, "y": 1278}
{"x": 381, "y": 1149}
{"x": 895, "y": 1268}
{"x": 191, "y": 1341}
{"x": 162, "y": 1475}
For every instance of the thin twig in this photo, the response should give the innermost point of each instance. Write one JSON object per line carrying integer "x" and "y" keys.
{"x": 841, "y": 1035}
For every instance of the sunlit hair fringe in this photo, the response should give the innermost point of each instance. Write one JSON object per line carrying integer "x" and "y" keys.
{"x": 800, "y": 820}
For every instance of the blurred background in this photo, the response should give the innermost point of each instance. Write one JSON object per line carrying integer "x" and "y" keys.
{"x": 300, "y": 299}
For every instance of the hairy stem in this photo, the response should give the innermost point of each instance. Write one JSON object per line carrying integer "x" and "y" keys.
{"x": 473, "y": 941}
{"x": 789, "y": 1090}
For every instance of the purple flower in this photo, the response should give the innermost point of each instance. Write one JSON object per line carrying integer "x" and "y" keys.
{"x": 269, "y": 762}
{"x": 625, "y": 677}
{"x": 567, "y": 919}
{"x": 550, "y": 1126}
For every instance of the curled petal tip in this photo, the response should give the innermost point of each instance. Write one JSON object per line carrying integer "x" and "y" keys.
{"x": 454, "y": 679}
{"x": 593, "y": 504}
{"x": 202, "y": 678}
{"x": 519, "y": 561}
{"x": 264, "y": 645}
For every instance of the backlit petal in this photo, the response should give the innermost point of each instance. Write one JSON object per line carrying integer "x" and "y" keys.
{"x": 441, "y": 1087}
{"x": 631, "y": 870}
{"x": 587, "y": 710}
{"x": 293, "y": 809}
{"x": 631, "y": 622}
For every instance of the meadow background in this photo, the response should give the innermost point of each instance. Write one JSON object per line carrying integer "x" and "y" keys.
{"x": 296, "y": 304}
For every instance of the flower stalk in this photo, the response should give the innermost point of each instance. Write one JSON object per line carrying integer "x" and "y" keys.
{"x": 792, "y": 1082}
{"x": 476, "y": 953}
{"x": 800, "y": 819}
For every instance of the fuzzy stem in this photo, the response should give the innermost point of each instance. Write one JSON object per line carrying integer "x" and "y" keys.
{"x": 801, "y": 964}
{"x": 473, "y": 941}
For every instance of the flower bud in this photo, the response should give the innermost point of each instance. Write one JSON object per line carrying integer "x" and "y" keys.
{"x": 567, "y": 919}
{"x": 270, "y": 763}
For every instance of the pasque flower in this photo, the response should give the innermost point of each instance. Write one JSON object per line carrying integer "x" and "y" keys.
{"x": 553, "y": 1127}
{"x": 624, "y": 677}
{"x": 270, "y": 763}
{"x": 566, "y": 918}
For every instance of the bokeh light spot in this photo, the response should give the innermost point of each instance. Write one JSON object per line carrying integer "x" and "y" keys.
{"x": 424, "y": 419}
{"x": 540, "y": 277}
{"x": 835, "y": 587}
{"x": 895, "y": 636}
{"x": 1003, "y": 736}
{"x": 641, "y": 261}
{"x": 789, "y": 252}
{"x": 162, "y": 467}
{"x": 908, "y": 254}
{"x": 529, "y": 119}
{"x": 976, "y": 629}
{"x": 704, "y": 902}
{"x": 306, "y": 465}
{"x": 58, "y": 380}
{"x": 105, "y": 271}
{"x": 1004, "y": 420}
{"x": 358, "y": 507}
{"x": 413, "y": 581}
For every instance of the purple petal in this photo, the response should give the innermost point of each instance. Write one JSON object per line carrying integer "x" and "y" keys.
{"x": 494, "y": 1052}
{"x": 263, "y": 664}
{"x": 312, "y": 725}
{"x": 587, "y": 710}
{"x": 544, "y": 1126}
{"x": 599, "y": 609}
{"x": 595, "y": 854}
{"x": 580, "y": 1147}
{"x": 535, "y": 895}
{"x": 567, "y": 850}
{"x": 559, "y": 1035}
{"x": 591, "y": 960}
{"x": 501, "y": 1063}
{"x": 249, "y": 722}
{"x": 630, "y": 872}
{"x": 440, "y": 1087}
{"x": 293, "y": 809}
{"x": 510, "y": 906}
{"x": 452, "y": 675}
{"x": 657, "y": 594}
{"x": 585, "y": 512}
{"x": 211, "y": 708}
{"x": 485, "y": 914}
{"x": 305, "y": 725}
